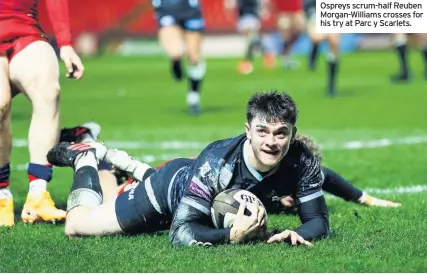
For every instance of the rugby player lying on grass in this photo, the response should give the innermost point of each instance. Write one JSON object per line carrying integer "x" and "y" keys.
{"x": 333, "y": 183}
{"x": 179, "y": 195}
{"x": 266, "y": 159}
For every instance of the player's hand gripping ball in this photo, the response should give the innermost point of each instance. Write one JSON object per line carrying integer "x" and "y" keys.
{"x": 226, "y": 205}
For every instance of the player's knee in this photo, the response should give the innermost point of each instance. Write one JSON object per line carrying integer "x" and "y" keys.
{"x": 4, "y": 114}
{"x": 5, "y": 95}
{"x": 46, "y": 94}
{"x": 197, "y": 70}
{"x": 5, "y": 102}
{"x": 334, "y": 44}
{"x": 69, "y": 229}
{"x": 175, "y": 53}
{"x": 316, "y": 38}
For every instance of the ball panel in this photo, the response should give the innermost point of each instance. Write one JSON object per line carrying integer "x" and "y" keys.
{"x": 226, "y": 205}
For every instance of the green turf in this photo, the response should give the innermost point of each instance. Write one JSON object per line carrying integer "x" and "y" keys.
{"x": 134, "y": 99}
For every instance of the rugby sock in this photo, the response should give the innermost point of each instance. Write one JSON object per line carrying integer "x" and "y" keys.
{"x": 287, "y": 45}
{"x": 402, "y": 51}
{"x": 314, "y": 52}
{"x": 332, "y": 72}
{"x": 253, "y": 43}
{"x": 86, "y": 189}
{"x": 4, "y": 176}
{"x": 177, "y": 69}
{"x": 338, "y": 186}
{"x": 39, "y": 176}
{"x": 196, "y": 74}
{"x": 424, "y": 54}
{"x": 249, "y": 56}
{"x": 195, "y": 84}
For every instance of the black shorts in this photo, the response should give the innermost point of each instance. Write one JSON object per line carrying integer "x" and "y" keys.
{"x": 242, "y": 12}
{"x": 191, "y": 20}
{"x": 309, "y": 9}
{"x": 146, "y": 206}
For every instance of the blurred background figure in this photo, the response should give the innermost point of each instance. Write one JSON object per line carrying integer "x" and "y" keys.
{"x": 248, "y": 24}
{"x": 400, "y": 44}
{"x": 290, "y": 24}
{"x": 29, "y": 65}
{"x": 316, "y": 38}
{"x": 181, "y": 24}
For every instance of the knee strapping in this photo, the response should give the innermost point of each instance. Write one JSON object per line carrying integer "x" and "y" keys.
{"x": 254, "y": 38}
{"x": 198, "y": 71}
{"x": 331, "y": 57}
{"x": 83, "y": 197}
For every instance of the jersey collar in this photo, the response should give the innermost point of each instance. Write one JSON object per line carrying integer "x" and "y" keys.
{"x": 254, "y": 172}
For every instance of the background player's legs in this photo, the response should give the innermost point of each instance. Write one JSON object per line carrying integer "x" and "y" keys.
{"x": 400, "y": 44}
{"x": 86, "y": 216}
{"x": 290, "y": 26}
{"x": 249, "y": 25}
{"x": 333, "y": 55}
{"x": 172, "y": 41}
{"x": 422, "y": 44}
{"x": 6, "y": 199}
{"x": 316, "y": 39}
{"x": 35, "y": 71}
{"x": 338, "y": 186}
{"x": 196, "y": 69}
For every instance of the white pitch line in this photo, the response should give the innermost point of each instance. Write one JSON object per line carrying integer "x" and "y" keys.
{"x": 177, "y": 145}
{"x": 415, "y": 189}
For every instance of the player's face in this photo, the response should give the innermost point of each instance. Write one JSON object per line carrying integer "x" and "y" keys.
{"x": 269, "y": 141}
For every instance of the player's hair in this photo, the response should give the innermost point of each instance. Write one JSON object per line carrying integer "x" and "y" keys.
{"x": 272, "y": 106}
{"x": 311, "y": 144}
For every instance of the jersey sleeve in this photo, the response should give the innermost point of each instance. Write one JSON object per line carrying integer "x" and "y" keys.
{"x": 311, "y": 204}
{"x": 191, "y": 224}
{"x": 60, "y": 20}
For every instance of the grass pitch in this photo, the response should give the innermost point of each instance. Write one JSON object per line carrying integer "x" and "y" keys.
{"x": 136, "y": 102}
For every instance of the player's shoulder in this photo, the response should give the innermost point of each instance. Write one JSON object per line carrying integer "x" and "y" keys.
{"x": 299, "y": 154}
{"x": 225, "y": 145}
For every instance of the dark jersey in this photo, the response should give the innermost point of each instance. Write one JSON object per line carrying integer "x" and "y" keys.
{"x": 309, "y": 7}
{"x": 222, "y": 165}
{"x": 181, "y": 9}
{"x": 248, "y": 7}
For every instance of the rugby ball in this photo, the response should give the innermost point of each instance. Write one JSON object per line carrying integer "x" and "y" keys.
{"x": 226, "y": 205}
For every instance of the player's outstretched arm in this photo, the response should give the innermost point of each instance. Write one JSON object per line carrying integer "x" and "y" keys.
{"x": 60, "y": 20}
{"x": 311, "y": 204}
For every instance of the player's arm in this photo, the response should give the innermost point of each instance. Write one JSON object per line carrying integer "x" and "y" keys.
{"x": 191, "y": 221}
{"x": 59, "y": 17}
{"x": 311, "y": 204}
{"x": 60, "y": 20}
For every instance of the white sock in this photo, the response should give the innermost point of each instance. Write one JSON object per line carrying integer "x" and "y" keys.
{"x": 85, "y": 159}
{"x": 362, "y": 198}
{"x": 37, "y": 186}
{"x": 193, "y": 98}
{"x": 5, "y": 193}
{"x": 95, "y": 130}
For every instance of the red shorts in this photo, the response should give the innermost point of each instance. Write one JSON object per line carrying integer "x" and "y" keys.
{"x": 126, "y": 186}
{"x": 17, "y": 31}
{"x": 12, "y": 47}
{"x": 289, "y": 6}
